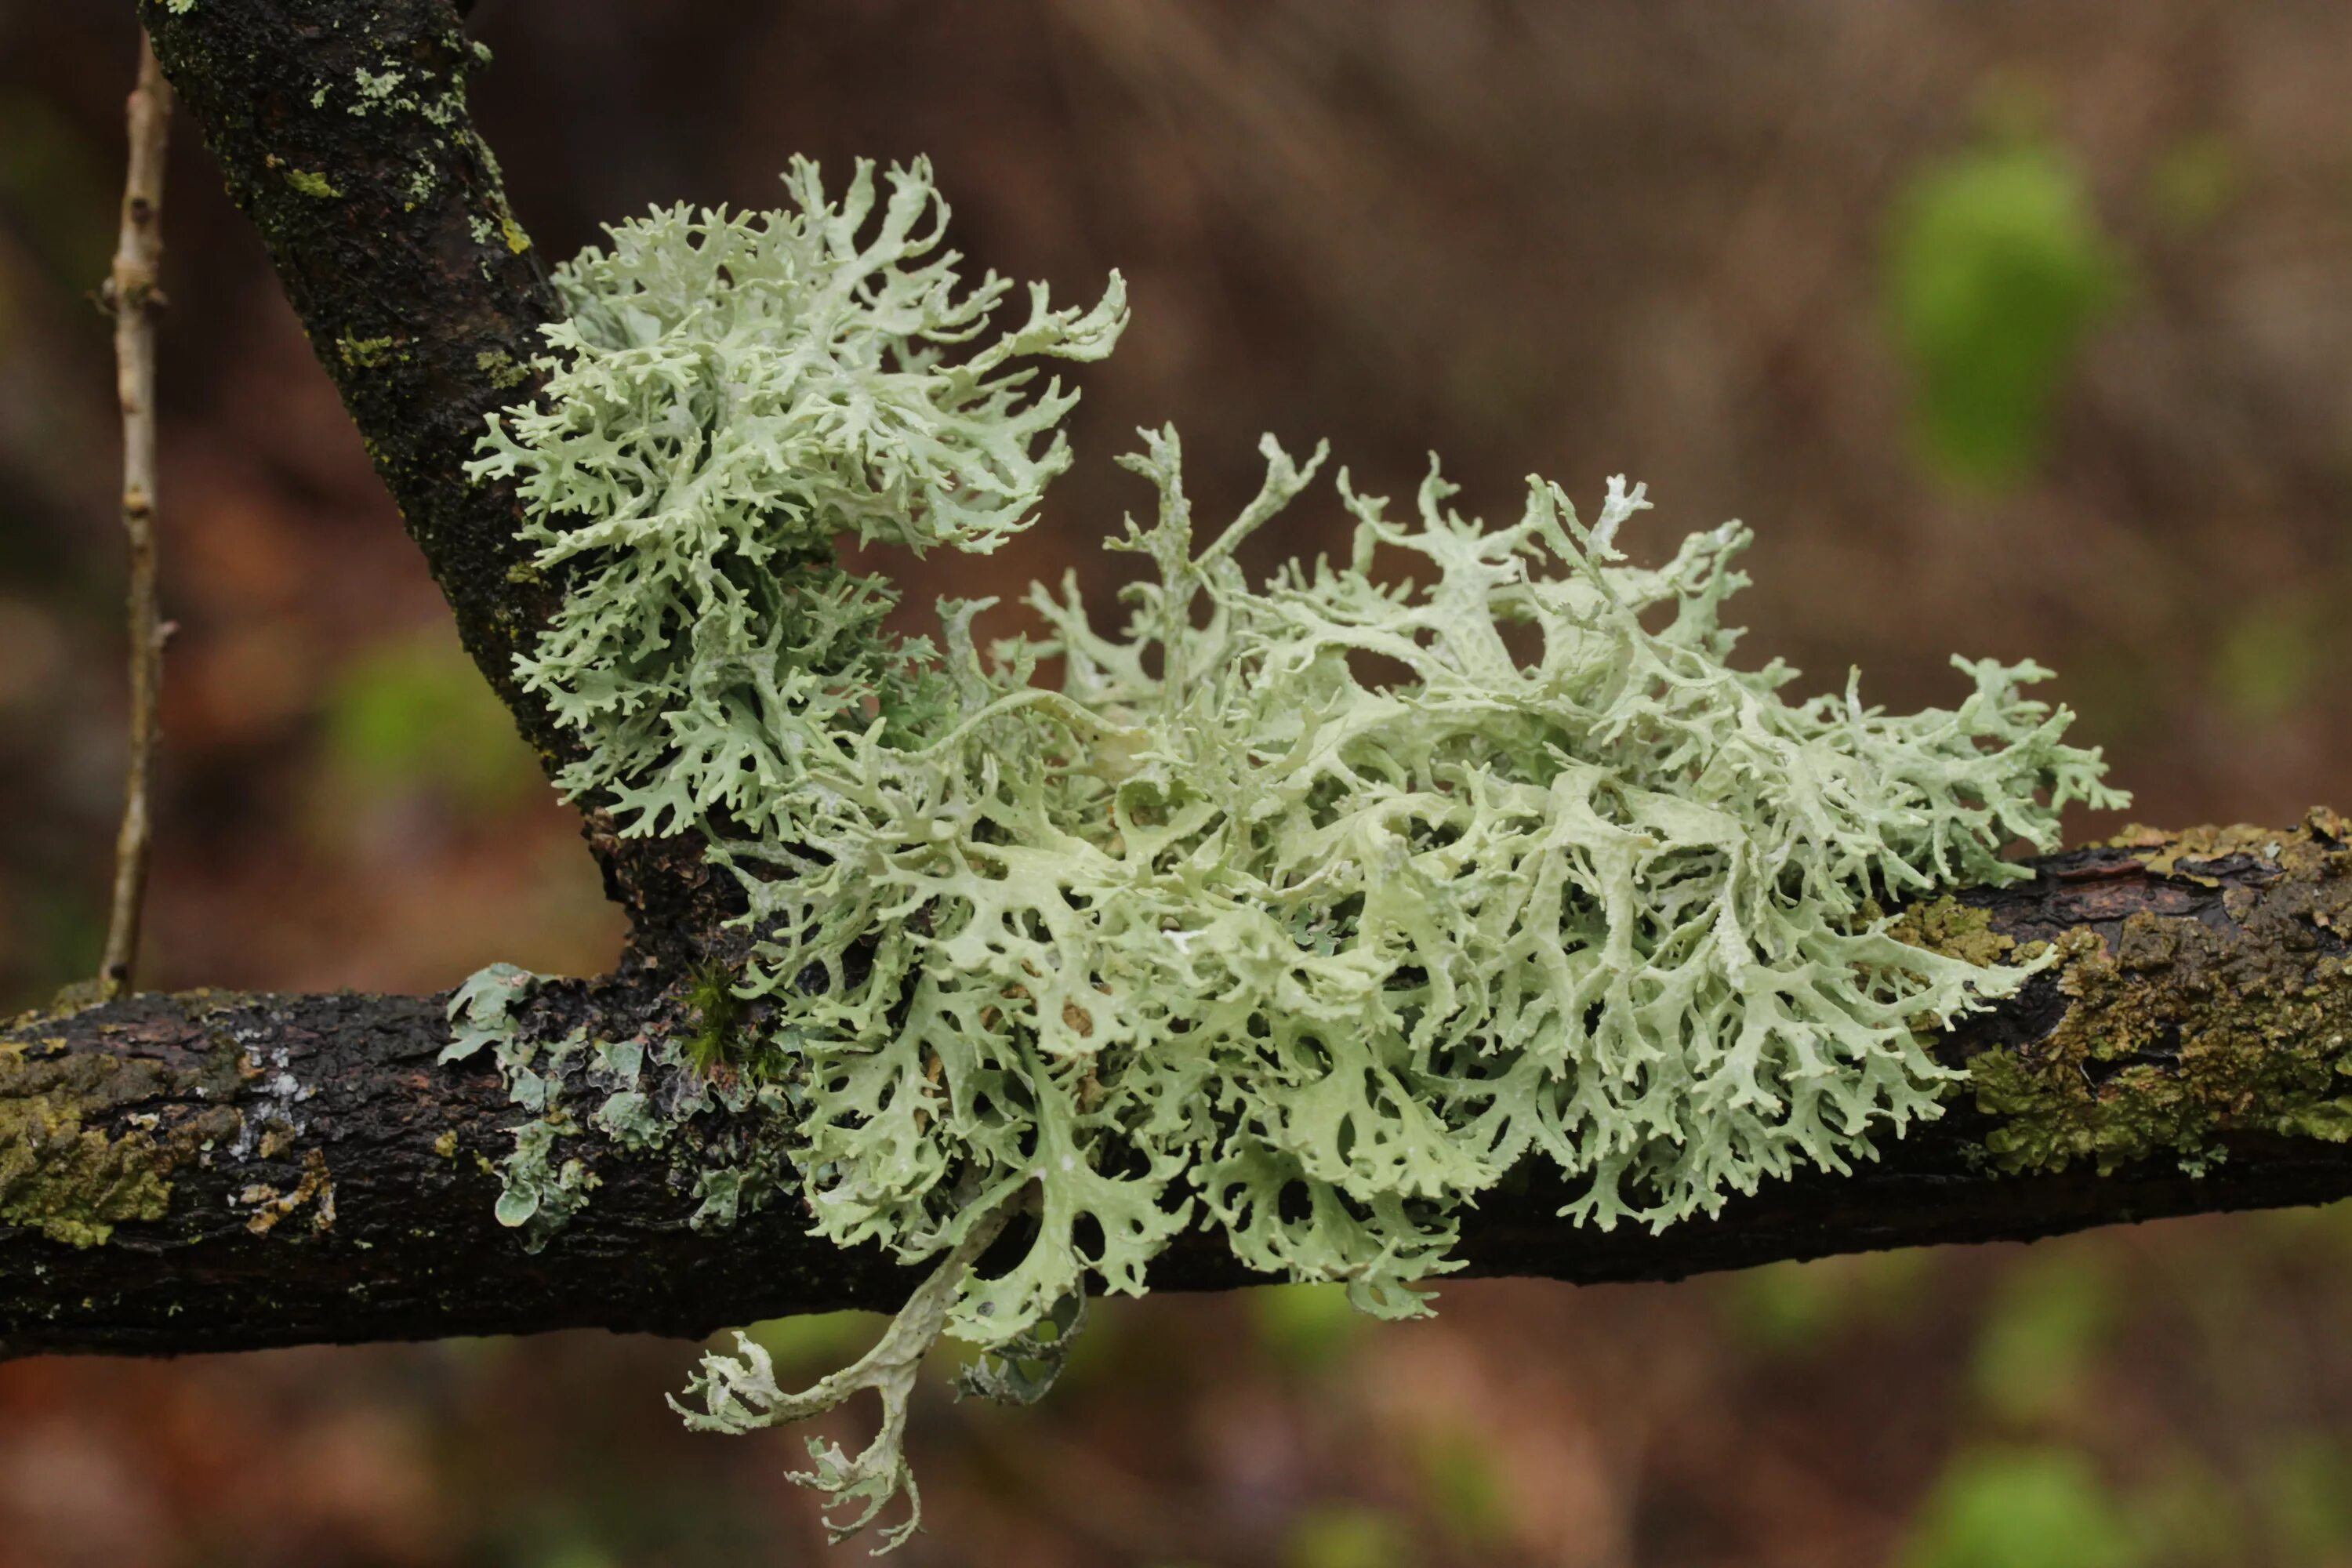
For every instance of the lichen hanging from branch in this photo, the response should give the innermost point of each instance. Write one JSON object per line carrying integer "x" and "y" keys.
{"x": 1219, "y": 931}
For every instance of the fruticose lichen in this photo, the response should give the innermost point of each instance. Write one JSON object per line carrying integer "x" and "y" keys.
{"x": 1219, "y": 931}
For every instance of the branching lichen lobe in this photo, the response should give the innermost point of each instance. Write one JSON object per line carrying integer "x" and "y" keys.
{"x": 1217, "y": 932}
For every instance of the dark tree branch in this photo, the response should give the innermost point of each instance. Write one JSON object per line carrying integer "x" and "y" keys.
{"x": 213, "y": 1172}
{"x": 342, "y": 133}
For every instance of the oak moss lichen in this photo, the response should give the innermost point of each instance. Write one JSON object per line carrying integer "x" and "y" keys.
{"x": 1218, "y": 932}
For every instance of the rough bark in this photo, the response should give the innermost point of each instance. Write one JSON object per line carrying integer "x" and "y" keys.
{"x": 217, "y": 1171}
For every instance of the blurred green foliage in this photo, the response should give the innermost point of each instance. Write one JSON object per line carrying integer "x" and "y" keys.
{"x": 2022, "y": 1508}
{"x": 1309, "y": 1327}
{"x": 57, "y": 187}
{"x": 1463, "y": 1485}
{"x": 2045, "y": 1508}
{"x": 2195, "y": 181}
{"x": 576, "y": 1554}
{"x": 2262, "y": 669}
{"x": 2042, "y": 1332}
{"x": 2306, "y": 1494}
{"x": 413, "y": 715}
{"x": 1345, "y": 1536}
{"x": 1791, "y": 1309}
{"x": 2187, "y": 1515}
{"x": 59, "y": 929}
{"x": 814, "y": 1341}
{"x": 1996, "y": 270}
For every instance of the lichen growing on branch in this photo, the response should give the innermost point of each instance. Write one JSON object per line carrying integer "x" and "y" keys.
{"x": 1220, "y": 931}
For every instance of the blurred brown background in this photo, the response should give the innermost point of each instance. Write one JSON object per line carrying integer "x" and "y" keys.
{"x": 2013, "y": 329}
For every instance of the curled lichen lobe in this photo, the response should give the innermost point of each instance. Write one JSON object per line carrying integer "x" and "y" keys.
{"x": 2183, "y": 1030}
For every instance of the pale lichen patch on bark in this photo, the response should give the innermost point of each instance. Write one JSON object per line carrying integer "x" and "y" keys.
{"x": 270, "y": 1206}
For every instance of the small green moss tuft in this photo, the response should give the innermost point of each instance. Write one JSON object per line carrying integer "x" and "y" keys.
{"x": 71, "y": 1183}
{"x": 63, "y": 1172}
{"x": 1955, "y": 930}
{"x": 311, "y": 185}
{"x": 716, "y": 1040}
{"x": 366, "y": 353}
{"x": 504, "y": 373}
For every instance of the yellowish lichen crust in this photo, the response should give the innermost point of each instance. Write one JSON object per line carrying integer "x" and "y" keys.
{"x": 67, "y": 1168}
{"x": 2181, "y": 1030}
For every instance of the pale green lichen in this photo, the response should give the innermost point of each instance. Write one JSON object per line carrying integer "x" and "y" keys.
{"x": 1221, "y": 931}
{"x": 503, "y": 228}
{"x": 740, "y": 1394}
{"x": 539, "y": 1189}
{"x": 376, "y": 88}
{"x": 724, "y": 1136}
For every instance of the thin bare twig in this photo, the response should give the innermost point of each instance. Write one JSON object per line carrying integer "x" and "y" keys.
{"x": 131, "y": 294}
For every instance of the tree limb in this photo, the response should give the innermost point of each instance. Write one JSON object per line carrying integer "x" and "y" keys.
{"x": 216, "y": 1172}
{"x": 341, "y": 131}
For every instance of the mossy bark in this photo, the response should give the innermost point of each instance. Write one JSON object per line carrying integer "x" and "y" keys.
{"x": 2207, "y": 982}
{"x": 243, "y": 1171}
{"x": 274, "y": 1170}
